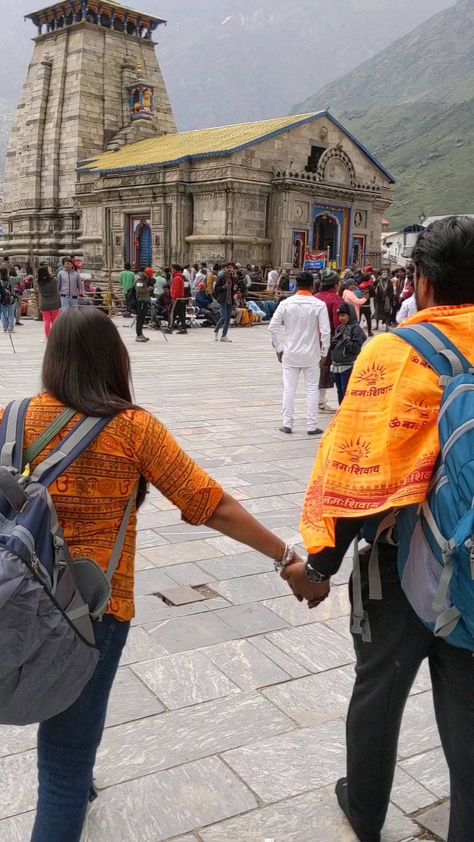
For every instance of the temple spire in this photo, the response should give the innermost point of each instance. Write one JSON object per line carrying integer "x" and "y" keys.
{"x": 104, "y": 13}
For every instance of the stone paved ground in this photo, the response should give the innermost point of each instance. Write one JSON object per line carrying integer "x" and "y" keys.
{"x": 226, "y": 722}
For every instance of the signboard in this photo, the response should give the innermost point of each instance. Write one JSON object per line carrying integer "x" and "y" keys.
{"x": 314, "y": 265}
{"x": 315, "y": 260}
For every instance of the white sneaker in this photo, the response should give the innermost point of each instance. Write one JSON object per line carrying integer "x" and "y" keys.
{"x": 324, "y": 407}
{"x": 225, "y": 339}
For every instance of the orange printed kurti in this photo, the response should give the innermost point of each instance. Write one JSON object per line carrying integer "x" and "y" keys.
{"x": 91, "y": 497}
{"x": 380, "y": 450}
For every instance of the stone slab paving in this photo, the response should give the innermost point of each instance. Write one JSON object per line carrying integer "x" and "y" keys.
{"x": 226, "y": 722}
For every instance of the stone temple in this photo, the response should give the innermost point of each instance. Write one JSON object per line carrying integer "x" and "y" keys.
{"x": 96, "y": 167}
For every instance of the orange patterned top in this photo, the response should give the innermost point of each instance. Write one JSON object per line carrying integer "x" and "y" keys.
{"x": 91, "y": 497}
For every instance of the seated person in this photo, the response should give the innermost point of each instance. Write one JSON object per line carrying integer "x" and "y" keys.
{"x": 256, "y": 311}
{"x": 206, "y": 304}
{"x": 163, "y": 303}
{"x": 160, "y": 282}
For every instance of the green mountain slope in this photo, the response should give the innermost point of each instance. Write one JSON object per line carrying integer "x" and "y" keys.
{"x": 413, "y": 104}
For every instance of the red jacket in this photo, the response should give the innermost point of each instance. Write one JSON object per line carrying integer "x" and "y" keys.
{"x": 332, "y": 301}
{"x": 177, "y": 286}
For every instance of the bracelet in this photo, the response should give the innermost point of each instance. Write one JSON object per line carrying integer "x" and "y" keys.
{"x": 288, "y": 557}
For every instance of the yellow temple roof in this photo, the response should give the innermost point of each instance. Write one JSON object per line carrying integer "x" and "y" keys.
{"x": 201, "y": 143}
{"x": 172, "y": 149}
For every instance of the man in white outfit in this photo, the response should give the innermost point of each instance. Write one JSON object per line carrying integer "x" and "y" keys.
{"x": 307, "y": 337}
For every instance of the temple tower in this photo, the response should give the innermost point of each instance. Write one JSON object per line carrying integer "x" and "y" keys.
{"x": 93, "y": 84}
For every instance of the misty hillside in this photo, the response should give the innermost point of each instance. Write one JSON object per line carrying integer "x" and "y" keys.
{"x": 231, "y": 60}
{"x": 413, "y": 104}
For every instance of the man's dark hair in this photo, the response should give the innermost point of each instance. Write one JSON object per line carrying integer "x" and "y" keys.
{"x": 305, "y": 280}
{"x": 127, "y": 267}
{"x": 177, "y": 267}
{"x": 444, "y": 255}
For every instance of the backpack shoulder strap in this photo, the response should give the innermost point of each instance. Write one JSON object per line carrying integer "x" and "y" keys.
{"x": 12, "y": 434}
{"x": 48, "y": 435}
{"x": 69, "y": 449}
{"x": 436, "y": 348}
{"x": 64, "y": 455}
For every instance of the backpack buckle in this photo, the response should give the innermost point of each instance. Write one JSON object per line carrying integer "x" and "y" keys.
{"x": 361, "y": 626}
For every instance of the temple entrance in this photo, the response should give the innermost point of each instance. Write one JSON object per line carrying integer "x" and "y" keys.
{"x": 140, "y": 243}
{"x": 326, "y": 235}
{"x": 358, "y": 251}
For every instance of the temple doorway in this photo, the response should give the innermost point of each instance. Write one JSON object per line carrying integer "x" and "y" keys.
{"x": 326, "y": 235}
{"x": 140, "y": 243}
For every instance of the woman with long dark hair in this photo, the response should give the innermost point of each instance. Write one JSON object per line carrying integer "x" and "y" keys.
{"x": 49, "y": 298}
{"x": 86, "y": 367}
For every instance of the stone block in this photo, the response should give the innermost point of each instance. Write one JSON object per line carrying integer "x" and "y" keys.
{"x": 130, "y": 700}
{"x": 235, "y": 566}
{"x": 192, "y": 632}
{"x": 436, "y": 820}
{"x": 140, "y": 748}
{"x": 430, "y": 770}
{"x": 183, "y": 595}
{"x": 315, "y": 647}
{"x": 312, "y": 817}
{"x": 315, "y": 698}
{"x": 409, "y": 795}
{"x": 17, "y": 828}
{"x": 252, "y": 588}
{"x": 185, "y": 679}
{"x": 179, "y": 553}
{"x": 297, "y": 613}
{"x": 151, "y": 609}
{"x": 250, "y": 619}
{"x": 289, "y": 665}
{"x": 152, "y": 581}
{"x": 147, "y": 810}
{"x": 419, "y": 730}
{"x": 293, "y": 762}
{"x": 18, "y": 773}
{"x": 15, "y": 738}
{"x": 245, "y": 665}
{"x": 140, "y": 646}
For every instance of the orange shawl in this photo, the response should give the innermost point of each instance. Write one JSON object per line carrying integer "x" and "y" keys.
{"x": 381, "y": 447}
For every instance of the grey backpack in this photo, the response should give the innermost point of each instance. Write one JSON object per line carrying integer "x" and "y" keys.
{"x": 48, "y": 601}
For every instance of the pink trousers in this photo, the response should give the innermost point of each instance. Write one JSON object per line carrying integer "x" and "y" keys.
{"x": 49, "y": 318}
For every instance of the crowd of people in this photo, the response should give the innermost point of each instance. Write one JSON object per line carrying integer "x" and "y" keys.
{"x": 227, "y": 294}
{"x": 393, "y": 476}
{"x": 55, "y": 291}
{"x": 217, "y": 296}
{"x": 323, "y": 340}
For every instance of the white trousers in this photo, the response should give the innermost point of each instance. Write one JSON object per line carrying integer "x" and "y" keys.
{"x": 290, "y": 384}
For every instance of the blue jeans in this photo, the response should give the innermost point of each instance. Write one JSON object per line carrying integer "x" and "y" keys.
{"x": 224, "y": 321}
{"x": 67, "y": 745}
{"x": 8, "y": 316}
{"x": 342, "y": 379}
{"x": 68, "y": 301}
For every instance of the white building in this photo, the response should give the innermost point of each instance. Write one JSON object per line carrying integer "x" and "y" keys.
{"x": 397, "y": 246}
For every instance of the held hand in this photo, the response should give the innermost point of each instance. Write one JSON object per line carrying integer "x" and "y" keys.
{"x": 301, "y": 586}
